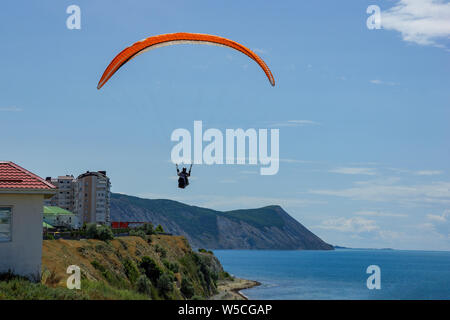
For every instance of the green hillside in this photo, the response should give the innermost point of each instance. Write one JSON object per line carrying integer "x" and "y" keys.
{"x": 263, "y": 228}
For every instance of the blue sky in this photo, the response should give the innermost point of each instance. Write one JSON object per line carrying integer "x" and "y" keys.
{"x": 363, "y": 114}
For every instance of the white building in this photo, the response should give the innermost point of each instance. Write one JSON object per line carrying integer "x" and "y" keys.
{"x": 22, "y": 195}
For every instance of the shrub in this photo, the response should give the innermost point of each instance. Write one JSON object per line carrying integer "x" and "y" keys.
{"x": 49, "y": 237}
{"x": 102, "y": 232}
{"x": 225, "y": 275}
{"x": 143, "y": 285}
{"x": 105, "y": 233}
{"x": 165, "y": 284}
{"x": 151, "y": 269}
{"x": 201, "y": 250}
{"x": 138, "y": 233}
{"x": 98, "y": 266}
{"x": 187, "y": 289}
{"x": 160, "y": 250}
{"x": 91, "y": 231}
{"x": 131, "y": 270}
{"x": 159, "y": 229}
{"x": 50, "y": 277}
{"x": 148, "y": 228}
{"x": 172, "y": 266}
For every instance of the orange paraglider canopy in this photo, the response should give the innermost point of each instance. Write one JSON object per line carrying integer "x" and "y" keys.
{"x": 177, "y": 38}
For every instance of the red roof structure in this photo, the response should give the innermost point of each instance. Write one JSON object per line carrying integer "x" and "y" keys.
{"x": 14, "y": 177}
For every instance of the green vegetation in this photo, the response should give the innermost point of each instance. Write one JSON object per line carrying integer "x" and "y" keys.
{"x": 151, "y": 269}
{"x": 165, "y": 284}
{"x": 201, "y": 250}
{"x": 138, "y": 233}
{"x": 172, "y": 266}
{"x": 144, "y": 285}
{"x": 104, "y": 233}
{"x": 131, "y": 270}
{"x": 187, "y": 289}
{"x": 259, "y": 218}
{"x": 22, "y": 289}
{"x": 197, "y": 223}
{"x": 125, "y": 268}
{"x": 161, "y": 251}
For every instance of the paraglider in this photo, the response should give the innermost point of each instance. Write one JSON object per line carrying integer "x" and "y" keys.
{"x": 178, "y": 38}
{"x": 183, "y": 180}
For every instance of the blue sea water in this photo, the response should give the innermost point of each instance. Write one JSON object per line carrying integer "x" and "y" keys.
{"x": 340, "y": 274}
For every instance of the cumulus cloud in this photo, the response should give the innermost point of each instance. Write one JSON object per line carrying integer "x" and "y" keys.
{"x": 380, "y": 214}
{"x": 353, "y": 225}
{"x": 380, "y": 82}
{"x": 391, "y": 191}
{"x": 428, "y": 172}
{"x": 349, "y": 170}
{"x": 439, "y": 223}
{"x": 425, "y": 22}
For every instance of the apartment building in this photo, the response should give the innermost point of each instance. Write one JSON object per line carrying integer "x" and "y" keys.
{"x": 87, "y": 196}
{"x": 64, "y": 198}
{"x": 92, "y": 197}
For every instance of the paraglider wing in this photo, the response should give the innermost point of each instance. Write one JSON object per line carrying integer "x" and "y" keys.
{"x": 177, "y": 38}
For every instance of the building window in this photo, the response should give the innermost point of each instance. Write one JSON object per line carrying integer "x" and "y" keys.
{"x": 5, "y": 224}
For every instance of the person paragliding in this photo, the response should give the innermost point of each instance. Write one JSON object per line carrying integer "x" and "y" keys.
{"x": 183, "y": 175}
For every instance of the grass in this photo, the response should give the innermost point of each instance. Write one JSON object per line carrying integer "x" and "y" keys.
{"x": 18, "y": 288}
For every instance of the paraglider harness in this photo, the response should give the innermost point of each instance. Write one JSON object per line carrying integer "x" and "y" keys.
{"x": 183, "y": 180}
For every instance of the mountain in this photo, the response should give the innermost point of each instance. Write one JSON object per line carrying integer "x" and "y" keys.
{"x": 264, "y": 228}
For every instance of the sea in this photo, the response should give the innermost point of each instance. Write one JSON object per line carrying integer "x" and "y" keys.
{"x": 341, "y": 274}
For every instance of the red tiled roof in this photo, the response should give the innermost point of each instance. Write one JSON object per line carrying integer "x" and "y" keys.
{"x": 13, "y": 176}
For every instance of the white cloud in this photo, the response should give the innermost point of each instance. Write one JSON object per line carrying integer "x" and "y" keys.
{"x": 233, "y": 202}
{"x": 380, "y": 214}
{"x": 348, "y": 170}
{"x": 424, "y": 22}
{"x": 11, "y": 109}
{"x": 439, "y": 223}
{"x": 380, "y": 82}
{"x": 294, "y": 123}
{"x": 389, "y": 191}
{"x": 428, "y": 172}
{"x": 354, "y": 225}
{"x": 444, "y": 217}
{"x": 391, "y": 235}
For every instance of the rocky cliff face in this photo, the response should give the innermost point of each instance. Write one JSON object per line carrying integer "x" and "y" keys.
{"x": 264, "y": 228}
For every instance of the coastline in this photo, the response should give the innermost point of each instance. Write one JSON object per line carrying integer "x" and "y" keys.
{"x": 231, "y": 289}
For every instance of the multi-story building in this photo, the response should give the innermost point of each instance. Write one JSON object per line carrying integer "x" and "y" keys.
{"x": 92, "y": 197}
{"x": 87, "y": 196}
{"x": 64, "y": 198}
